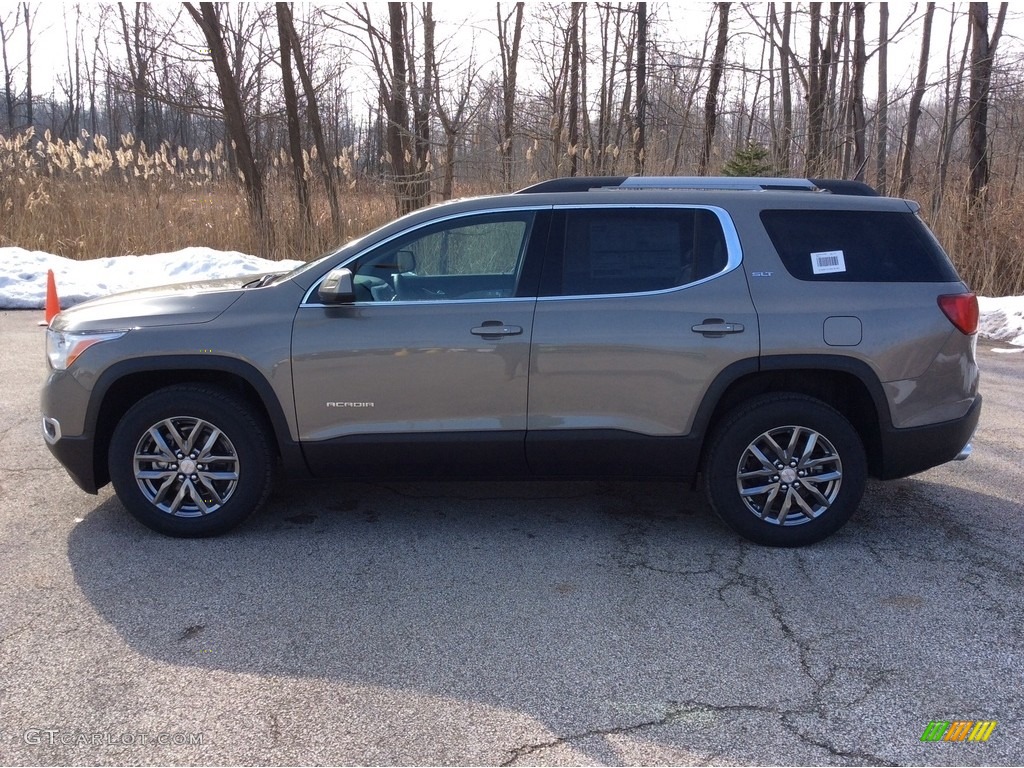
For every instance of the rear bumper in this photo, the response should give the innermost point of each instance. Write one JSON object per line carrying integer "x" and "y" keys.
{"x": 908, "y": 451}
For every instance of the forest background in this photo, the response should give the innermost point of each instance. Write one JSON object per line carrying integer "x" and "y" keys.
{"x": 283, "y": 130}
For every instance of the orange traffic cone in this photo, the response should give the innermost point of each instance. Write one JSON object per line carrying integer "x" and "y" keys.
{"x": 52, "y": 302}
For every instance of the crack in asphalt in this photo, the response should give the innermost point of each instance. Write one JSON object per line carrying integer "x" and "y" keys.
{"x": 679, "y": 712}
{"x": 734, "y": 576}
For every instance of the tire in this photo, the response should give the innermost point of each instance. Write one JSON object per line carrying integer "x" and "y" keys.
{"x": 785, "y": 470}
{"x": 156, "y": 461}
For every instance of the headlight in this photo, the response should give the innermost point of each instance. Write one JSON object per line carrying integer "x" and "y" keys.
{"x": 63, "y": 348}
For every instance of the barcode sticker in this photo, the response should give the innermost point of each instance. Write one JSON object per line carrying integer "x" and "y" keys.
{"x": 825, "y": 262}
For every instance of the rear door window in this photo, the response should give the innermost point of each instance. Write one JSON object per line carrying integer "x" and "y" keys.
{"x": 607, "y": 251}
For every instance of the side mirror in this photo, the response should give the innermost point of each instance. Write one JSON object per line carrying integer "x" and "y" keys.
{"x": 337, "y": 287}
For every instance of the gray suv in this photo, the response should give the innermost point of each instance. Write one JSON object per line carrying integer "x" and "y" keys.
{"x": 780, "y": 339}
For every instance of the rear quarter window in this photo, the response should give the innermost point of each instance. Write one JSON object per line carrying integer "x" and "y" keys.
{"x": 857, "y": 246}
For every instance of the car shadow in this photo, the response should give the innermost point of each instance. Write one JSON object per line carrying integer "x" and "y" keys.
{"x": 611, "y": 604}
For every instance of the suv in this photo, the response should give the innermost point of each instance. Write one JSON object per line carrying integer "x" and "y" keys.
{"x": 781, "y": 339}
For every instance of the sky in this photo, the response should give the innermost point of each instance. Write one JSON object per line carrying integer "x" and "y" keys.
{"x": 23, "y": 281}
{"x": 472, "y": 25}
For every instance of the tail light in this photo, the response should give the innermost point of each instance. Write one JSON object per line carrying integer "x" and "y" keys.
{"x": 962, "y": 311}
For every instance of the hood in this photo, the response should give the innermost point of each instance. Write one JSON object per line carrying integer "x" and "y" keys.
{"x": 179, "y": 304}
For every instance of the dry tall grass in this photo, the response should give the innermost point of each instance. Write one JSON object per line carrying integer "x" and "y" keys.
{"x": 85, "y": 199}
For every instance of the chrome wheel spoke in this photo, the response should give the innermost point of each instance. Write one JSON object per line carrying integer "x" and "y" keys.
{"x": 155, "y": 474}
{"x": 824, "y": 477}
{"x": 794, "y": 440}
{"x": 812, "y": 442}
{"x": 208, "y": 446}
{"x": 805, "y": 507}
{"x": 179, "y": 439}
{"x": 758, "y": 490}
{"x": 818, "y": 495}
{"x": 218, "y": 476}
{"x": 756, "y": 473}
{"x": 765, "y": 461}
{"x": 163, "y": 490}
{"x": 161, "y": 444}
{"x": 774, "y": 446}
{"x": 179, "y": 498}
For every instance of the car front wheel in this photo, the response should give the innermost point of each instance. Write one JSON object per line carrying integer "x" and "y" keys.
{"x": 785, "y": 470}
{"x": 190, "y": 461}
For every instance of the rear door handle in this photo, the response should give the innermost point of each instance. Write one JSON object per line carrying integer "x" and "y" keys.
{"x": 714, "y": 327}
{"x": 495, "y": 329}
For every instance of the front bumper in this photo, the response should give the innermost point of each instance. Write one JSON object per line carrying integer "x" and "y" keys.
{"x": 74, "y": 453}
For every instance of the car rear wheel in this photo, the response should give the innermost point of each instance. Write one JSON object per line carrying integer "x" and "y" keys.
{"x": 785, "y": 470}
{"x": 191, "y": 461}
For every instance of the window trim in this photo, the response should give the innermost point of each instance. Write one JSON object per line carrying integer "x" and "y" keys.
{"x": 308, "y": 297}
{"x": 734, "y": 250}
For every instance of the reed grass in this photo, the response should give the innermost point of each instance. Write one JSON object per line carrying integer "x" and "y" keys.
{"x": 89, "y": 198}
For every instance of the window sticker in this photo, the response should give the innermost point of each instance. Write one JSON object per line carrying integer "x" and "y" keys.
{"x": 826, "y": 262}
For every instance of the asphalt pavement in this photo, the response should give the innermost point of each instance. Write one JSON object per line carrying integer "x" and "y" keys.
{"x": 508, "y": 623}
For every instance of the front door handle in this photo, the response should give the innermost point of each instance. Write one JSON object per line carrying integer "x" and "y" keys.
{"x": 495, "y": 329}
{"x": 714, "y": 327}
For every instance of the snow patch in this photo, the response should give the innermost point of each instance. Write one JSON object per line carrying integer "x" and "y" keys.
{"x": 23, "y": 273}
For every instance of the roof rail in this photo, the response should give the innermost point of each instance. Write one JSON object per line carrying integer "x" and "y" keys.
{"x": 716, "y": 182}
{"x": 587, "y": 183}
{"x": 846, "y": 187}
{"x": 573, "y": 184}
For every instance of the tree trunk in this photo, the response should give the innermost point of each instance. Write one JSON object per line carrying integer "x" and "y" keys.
{"x": 914, "y": 110}
{"x": 711, "y": 102}
{"x": 640, "y": 129}
{"x": 28, "y": 66}
{"x": 573, "y": 44}
{"x": 399, "y": 145}
{"x": 857, "y": 93}
{"x": 291, "y": 108}
{"x": 882, "y": 113}
{"x": 509, "y": 51}
{"x": 983, "y": 50}
{"x": 815, "y": 96}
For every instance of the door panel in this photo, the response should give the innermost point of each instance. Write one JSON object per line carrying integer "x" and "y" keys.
{"x": 429, "y": 366}
{"x": 411, "y": 367}
{"x": 636, "y": 365}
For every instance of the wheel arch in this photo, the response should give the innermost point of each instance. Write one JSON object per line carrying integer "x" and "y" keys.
{"x": 125, "y": 383}
{"x": 846, "y": 384}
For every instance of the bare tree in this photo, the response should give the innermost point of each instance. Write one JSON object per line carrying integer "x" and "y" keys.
{"x": 951, "y": 118}
{"x": 785, "y": 144}
{"x": 138, "y": 54}
{"x": 312, "y": 111}
{"x": 207, "y": 19}
{"x": 454, "y": 114}
{"x": 572, "y": 44}
{"x": 983, "y": 51}
{"x": 508, "y": 47}
{"x": 7, "y": 30}
{"x": 914, "y": 110}
{"x": 711, "y": 102}
{"x": 860, "y": 59}
{"x": 291, "y": 108}
{"x": 640, "y": 125}
{"x": 882, "y": 113}
{"x": 29, "y": 18}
